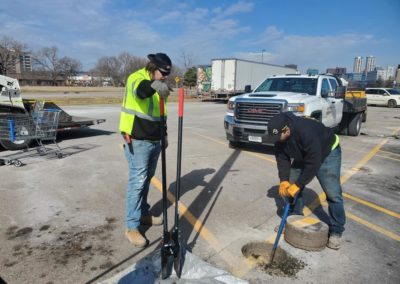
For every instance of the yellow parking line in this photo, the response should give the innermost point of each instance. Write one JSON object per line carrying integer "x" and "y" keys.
{"x": 372, "y": 205}
{"x": 373, "y": 227}
{"x": 343, "y": 178}
{"x": 198, "y": 226}
{"x": 244, "y": 151}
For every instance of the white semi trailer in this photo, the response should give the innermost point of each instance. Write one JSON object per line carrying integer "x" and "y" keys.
{"x": 231, "y": 76}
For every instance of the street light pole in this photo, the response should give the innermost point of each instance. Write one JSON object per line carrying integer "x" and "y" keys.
{"x": 262, "y": 55}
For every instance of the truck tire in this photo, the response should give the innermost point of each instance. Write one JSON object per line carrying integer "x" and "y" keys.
{"x": 392, "y": 103}
{"x": 343, "y": 125}
{"x": 364, "y": 116}
{"x": 354, "y": 124}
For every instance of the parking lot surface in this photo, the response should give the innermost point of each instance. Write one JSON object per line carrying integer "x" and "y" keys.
{"x": 61, "y": 220}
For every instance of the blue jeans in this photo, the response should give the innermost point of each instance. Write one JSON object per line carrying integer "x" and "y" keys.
{"x": 142, "y": 166}
{"x": 328, "y": 176}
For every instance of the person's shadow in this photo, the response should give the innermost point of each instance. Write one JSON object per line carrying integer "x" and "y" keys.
{"x": 308, "y": 197}
{"x": 188, "y": 182}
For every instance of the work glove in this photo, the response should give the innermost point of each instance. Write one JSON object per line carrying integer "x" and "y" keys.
{"x": 292, "y": 190}
{"x": 161, "y": 88}
{"x": 283, "y": 186}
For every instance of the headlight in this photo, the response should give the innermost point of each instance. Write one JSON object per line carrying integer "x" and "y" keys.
{"x": 231, "y": 105}
{"x": 295, "y": 107}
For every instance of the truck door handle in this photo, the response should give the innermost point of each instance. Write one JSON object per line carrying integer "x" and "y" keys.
{"x": 333, "y": 102}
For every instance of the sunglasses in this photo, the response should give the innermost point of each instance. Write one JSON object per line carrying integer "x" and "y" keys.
{"x": 164, "y": 73}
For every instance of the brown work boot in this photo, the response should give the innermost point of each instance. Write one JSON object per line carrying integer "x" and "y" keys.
{"x": 151, "y": 220}
{"x": 136, "y": 238}
{"x": 334, "y": 242}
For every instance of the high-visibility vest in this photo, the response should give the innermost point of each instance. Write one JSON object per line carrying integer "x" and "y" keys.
{"x": 132, "y": 105}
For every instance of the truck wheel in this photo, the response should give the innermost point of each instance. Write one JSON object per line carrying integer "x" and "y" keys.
{"x": 354, "y": 125}
{"x": 343, "y": 126}
{"x": 392, "y": 103}
{"x": 364, "y": 116}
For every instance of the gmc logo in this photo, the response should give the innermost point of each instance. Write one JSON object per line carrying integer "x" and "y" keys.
{"x": 256, "y": 110}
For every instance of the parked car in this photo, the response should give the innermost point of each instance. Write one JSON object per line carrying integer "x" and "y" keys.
{"x": 383, "y": 97}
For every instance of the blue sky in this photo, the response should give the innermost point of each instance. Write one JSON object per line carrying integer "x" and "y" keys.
{"x": 309, "y": 33}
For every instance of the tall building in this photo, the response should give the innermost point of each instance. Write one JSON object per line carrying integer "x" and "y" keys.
{"x": 357, "y": 64}
{"x": 370, "y": 63}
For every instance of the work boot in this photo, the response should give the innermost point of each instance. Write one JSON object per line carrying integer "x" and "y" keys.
{"x": 151, "y": 220}
{"x": 334, "y": 242}
{"x": 136, "y": 238}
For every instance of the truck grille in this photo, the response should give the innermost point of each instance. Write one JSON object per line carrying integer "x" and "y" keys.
{"x": 257, "y": 112}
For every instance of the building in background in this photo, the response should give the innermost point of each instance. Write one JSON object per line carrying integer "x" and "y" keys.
{"x": 370, "y": 64}
{"x": 338, "y": 71}
{"x": 357, "y": 68}
{"x": 380, "y": 73}
{"x": 397, "y": 76}
{"x": 293, "y": 66}
{"x": 312, "y": 71}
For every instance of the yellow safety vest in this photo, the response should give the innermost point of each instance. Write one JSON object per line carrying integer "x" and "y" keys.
{"x": 132, "y": 105}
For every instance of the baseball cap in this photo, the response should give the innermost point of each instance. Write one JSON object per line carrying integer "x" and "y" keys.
{"x": 162, "y": 62}
{"x": 277, "y": 125}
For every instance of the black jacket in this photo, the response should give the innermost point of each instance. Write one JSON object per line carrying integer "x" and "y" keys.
{"x": 309, "y": 144}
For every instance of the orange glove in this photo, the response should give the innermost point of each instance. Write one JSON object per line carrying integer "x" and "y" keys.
{"x": 292, "y": 190}
{"x": 283, "y": 186}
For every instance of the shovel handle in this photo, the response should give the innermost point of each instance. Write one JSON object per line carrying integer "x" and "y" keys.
{"x": 181, "y": 94}
{"x": 162, "y": 111}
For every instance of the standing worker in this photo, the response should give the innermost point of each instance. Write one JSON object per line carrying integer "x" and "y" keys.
{"x": 305, "y": 148}
{"x": 140, "y": 126}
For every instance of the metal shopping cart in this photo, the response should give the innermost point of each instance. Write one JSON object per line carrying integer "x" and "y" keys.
{"x": 40, "y": 125}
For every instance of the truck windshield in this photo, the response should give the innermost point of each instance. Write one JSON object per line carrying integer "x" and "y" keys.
{"x": 296, "y": 85}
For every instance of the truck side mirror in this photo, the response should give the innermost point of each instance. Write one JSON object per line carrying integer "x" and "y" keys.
{"x": 340, "y": 92}
{"x": 247, "y": 89}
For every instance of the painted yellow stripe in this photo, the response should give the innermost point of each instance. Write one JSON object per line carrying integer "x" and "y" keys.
{"x": 304, "y": 222}
{"x": 373, "y": 227}
{"x": 362, "y": 162}
{"x": 199, "y": 227}
{"x": 244, "y": 151}
{"x": 321, "y": 197}
{"x": 372, "y": 205}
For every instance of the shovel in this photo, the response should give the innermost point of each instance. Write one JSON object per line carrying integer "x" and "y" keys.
{"x": 281, "y": 226}
{"x": 166, "y": 248}
{"x": 178, "y": 249}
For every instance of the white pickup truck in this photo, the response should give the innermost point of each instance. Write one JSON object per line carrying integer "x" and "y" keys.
{"x": 322, "y": 97}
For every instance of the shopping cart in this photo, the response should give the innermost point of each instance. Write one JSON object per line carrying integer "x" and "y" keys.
{"x": 40, "y": 125}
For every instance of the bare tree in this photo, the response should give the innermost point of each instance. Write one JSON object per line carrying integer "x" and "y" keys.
{"x": 128, "y": 64}
{"x": 187, "y": 59}
{"x": 69, "y": 66}
{"x": 10, "y": 51}
{"x": 108, "y": 67}
{"x": 47, "y": 60}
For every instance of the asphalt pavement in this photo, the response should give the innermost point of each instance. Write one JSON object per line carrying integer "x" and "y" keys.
{"x": 62, "y": 220}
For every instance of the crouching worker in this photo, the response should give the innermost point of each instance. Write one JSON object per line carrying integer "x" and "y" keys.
{"x": 305, "y": 148}
{"x": 140, "y": 126}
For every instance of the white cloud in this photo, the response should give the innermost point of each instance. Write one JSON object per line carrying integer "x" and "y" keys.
{"x": 318, "y": 51}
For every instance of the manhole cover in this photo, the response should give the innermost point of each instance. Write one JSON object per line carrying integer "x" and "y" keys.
{"x": 259, "y": 253}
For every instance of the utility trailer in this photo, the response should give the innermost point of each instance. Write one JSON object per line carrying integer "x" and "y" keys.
{"x": 232, "y": 76}
{"x": 11, "y": 102}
